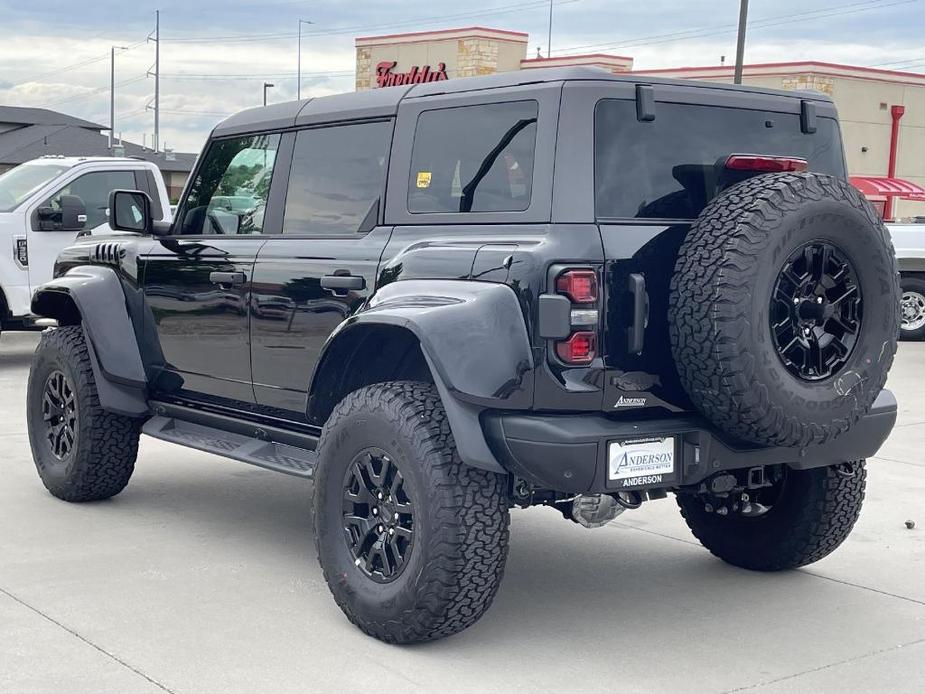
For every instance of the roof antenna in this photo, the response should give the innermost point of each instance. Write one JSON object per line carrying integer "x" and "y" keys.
{"x": 722, "y": 60}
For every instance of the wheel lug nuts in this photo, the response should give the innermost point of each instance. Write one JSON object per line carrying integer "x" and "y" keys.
{"x": 391, "y": 531}
{"x": 379, "y": 495}
{"x": 375, "y": 511}
{"x": 396, "y": 516}
{"x": 818, "y": 299}
{"x": 381, "y": 528}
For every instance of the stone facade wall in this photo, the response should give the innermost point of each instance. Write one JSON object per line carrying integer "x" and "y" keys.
{"x": 476, "y": 56}
{"x": 819, "y": 83}
{"x": 364, "y": 68}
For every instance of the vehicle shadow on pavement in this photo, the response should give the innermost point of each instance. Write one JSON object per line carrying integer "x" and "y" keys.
{"x": 559, "y": 576}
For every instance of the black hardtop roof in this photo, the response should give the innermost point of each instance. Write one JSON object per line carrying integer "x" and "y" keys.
{"x": 377, "y": 103}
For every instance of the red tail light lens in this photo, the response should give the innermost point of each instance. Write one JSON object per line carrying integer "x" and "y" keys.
{"x": 579, "y": 285}
{"x": 580, "y": 348}
{"x": 757, "y": 162}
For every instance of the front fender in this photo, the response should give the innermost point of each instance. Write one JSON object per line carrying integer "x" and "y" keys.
{"x": 97, "y": 295}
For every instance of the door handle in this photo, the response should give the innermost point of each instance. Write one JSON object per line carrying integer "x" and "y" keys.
{"x": 227, "y": 279}
{"x": 343, "y": 282}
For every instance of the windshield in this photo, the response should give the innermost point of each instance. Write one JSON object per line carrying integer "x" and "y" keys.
{"x": 17, "y": 184}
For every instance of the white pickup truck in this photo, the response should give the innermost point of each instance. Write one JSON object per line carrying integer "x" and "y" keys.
{"x": 45, "y": 204}
{"x": 909, "y": 243}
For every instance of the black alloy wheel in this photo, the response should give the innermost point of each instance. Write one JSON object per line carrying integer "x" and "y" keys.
{"x": 59, "y": 413}
{"x": 816, "y": 311}
{"x": 378, "y": 515}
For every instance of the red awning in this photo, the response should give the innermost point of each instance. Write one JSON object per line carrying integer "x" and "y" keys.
{"x": 885, "y": 187}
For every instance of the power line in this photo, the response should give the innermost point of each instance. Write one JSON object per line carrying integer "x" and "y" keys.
{"x": 765, "y": 23}
{"x": 94, "y": 92}
{"x": 247, "y": 38}
{"x": 256, "y": 76}
{"x": 73, "y": 66}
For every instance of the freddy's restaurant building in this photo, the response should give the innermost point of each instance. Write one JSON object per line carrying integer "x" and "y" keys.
{"x": 882, "y": 112}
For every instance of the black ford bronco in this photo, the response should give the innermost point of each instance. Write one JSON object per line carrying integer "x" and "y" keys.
{"x": 443, "y": 300}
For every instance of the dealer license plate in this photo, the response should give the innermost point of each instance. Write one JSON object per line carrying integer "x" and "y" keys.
{"x": 641, "y": 462}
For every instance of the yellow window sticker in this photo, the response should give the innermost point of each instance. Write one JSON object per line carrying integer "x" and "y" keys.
{"x": 423, "y": 179}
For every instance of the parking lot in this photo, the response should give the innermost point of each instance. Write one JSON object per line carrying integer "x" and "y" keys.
{"x": 201, "y": 577}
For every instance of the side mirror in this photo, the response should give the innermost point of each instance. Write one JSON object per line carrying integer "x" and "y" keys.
{"x": 73, "y": 213}
{"x": 130, "y": 210}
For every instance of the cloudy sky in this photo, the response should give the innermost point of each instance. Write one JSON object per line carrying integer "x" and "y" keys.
{"x": 215, "y": 55}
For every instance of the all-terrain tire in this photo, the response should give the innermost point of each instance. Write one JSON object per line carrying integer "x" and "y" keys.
{"x": 913, "y": 304}
{"x": 726, "y": 279}
{"x": 101, "y": 459}
{"x": 813, "y": 515}
{"x": 460, "y": 520}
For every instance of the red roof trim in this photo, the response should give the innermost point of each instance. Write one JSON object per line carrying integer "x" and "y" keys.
{"x": 883, "y": 186}
{"x": 444, "y": 31}
{"x": 803, "y": 63}
{"x": 571, "y": 57}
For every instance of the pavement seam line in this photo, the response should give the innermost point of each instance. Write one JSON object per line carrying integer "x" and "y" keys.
{"x": 862, "y": 587}
{"x": 895, "y": 460}
{"x": 802, "y": 570}
{"x": 87, "y": 641}
{"x": 846, "y": 661}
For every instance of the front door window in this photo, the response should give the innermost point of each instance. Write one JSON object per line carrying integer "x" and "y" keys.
{"x": 229, "y": 193}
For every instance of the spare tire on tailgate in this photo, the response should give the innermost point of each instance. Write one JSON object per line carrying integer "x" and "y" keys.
{"x": 784, "y": 309}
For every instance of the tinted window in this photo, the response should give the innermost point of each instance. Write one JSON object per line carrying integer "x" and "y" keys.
{"x": 229, "y": 194}
{"x": 474, "y": 158}
{"x": 336, "y": 179}
{"x": 667, "y": 168}
{"x": 93, "y": 189}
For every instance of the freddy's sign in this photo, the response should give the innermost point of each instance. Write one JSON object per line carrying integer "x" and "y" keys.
{"x": 385, "y": 77}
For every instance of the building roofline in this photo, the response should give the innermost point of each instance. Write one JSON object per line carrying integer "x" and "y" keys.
{"x": 807, "y": 64}
{"x": 501, "y": 33}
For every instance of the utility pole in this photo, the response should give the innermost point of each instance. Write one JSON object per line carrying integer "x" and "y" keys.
{"x": 157, "y": 77}
{"x": 298, "y": 89}
{"x": 156, "y": 73}
{"x": 740, "y": 44}
{"x": 266, "y": 85}
{"x": 112, "y": 93}
{"x": 549, "y": 36}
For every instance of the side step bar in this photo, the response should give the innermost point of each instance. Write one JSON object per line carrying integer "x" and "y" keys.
{"x": 272, "y": 455}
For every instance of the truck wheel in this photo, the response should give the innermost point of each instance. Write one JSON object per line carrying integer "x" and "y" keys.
{"x": 82, "y": 452}
{"x": 412, "y": 541}
{"x": 800, "y": 520}
{"x": 913, "y": 308}
{"x": 784, "y": 309}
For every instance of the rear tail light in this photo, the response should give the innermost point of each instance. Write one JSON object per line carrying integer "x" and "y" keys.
{"x": 765, "y": 164}
{"x": 578, "y": 285}
{"x": 580, "y": 348}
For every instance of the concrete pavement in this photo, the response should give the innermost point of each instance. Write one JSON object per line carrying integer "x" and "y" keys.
{"x": 201, "y": 577}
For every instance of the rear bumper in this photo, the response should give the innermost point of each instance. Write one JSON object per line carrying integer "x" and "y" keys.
{"x": 568, "y": 453}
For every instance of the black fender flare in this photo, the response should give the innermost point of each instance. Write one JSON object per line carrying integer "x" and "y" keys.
{"x": 473, "y": 338}
{"x": 97, "y": 294}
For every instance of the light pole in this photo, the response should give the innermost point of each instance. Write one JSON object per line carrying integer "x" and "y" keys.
{"x": 298, "y": 89}
{"x": 266, "y": 85}
{"x": 740, "y": 43}
{"x": 112, "y": 93}
{"x": 549, "y": 36}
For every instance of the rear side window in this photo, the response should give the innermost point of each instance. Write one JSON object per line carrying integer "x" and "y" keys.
{"x": 337, "y": 178}
{"x": 474, "y": 158}
{"x": 670, "y": 168}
